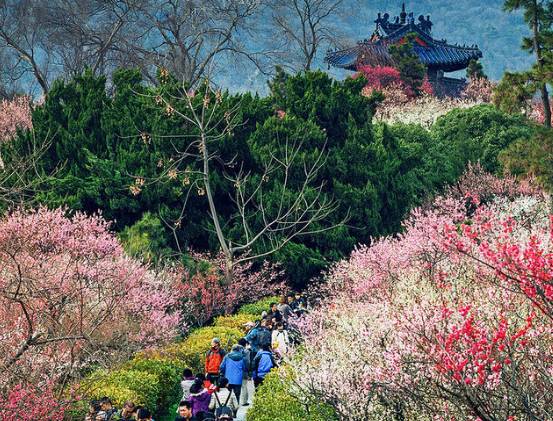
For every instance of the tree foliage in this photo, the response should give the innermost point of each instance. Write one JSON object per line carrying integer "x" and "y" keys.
{"x": 115, "y": 153}
{"x": 454, "y": 314}
{"x": 411, "y": 70}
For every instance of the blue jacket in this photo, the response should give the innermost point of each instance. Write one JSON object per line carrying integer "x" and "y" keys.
{"x": 262, "y": 364}
{"x": 257, "y": 337}
{"x": 233, "y": 367}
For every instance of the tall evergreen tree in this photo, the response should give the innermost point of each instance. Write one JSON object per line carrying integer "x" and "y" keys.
{"x": 411, "y": 70}
{"x": 475, "y": 70}
{"x": 538, "y": 16}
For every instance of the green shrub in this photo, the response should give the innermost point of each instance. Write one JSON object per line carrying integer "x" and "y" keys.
{"x": 236, "y": 321}
{"x": 191, "y": 352}
{"x": 255, "y": 309}
{"x": 273, "y": 401}
{"x": 168, "y": 375}
{"x": 122, "y": 385}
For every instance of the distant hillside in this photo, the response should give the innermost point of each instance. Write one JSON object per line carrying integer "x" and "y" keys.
{"x": 497, "y": 33}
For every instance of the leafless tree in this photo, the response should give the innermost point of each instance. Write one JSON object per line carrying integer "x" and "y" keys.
{"x": 46, "y": 39}
{"x": 20, "y": 176}
{"x": 265, "y": 225}
{"x": 304, "y": 27}
{"x": 195, "y": 38}
{"x": 21, "y": 34}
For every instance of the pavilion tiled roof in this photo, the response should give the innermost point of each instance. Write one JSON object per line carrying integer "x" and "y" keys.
{"x": 433, "y": 53}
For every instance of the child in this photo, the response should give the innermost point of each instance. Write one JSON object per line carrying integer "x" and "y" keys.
{"x": 199, "y": 397}
{"x": 186, "y": 383}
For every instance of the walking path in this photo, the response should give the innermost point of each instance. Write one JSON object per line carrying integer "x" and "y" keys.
{"x": 241, "y": 415}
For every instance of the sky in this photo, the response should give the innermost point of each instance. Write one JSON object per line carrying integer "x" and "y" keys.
{"x": 498, "y": 34}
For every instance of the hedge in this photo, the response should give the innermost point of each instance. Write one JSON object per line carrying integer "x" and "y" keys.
{"x": 273, "y": 401}
{"x": 141, "y": 387}
{"x": 255, "y": 309}
{"x": 152, "y": 377}
{"x": 234, "y": 322}
{"x": 168, "y": 375}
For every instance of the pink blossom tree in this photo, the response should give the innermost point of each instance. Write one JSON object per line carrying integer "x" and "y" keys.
{"x": 449, "y": 320}
{"x": 14, "y": 114}
{"x": 204, "y": 293}
{"x": 69, "y": 296}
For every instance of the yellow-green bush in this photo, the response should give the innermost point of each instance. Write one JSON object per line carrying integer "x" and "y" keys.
{"x": 191, "y": 352}
{"x": 236, "y": 321}
{"x": 121, "y": 385}
{"x": 194, "y": 348}
{"x": 273, "y": 401}
{"x": 168, "y": 376}
{"x": 258, "y": 307}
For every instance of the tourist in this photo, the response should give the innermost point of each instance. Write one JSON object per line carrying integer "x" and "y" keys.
{"x": 94, "y": 408}
{"x": 284, "y": 309}
{"x": 185, "y": 412}
{"x": 301, "y": 306}
{"x": 274, "y": 315}
{"x": 199, "y": 397}
{"x": 259, "y": 336}
{"x": 292, "y": 302}
{"x": 107, "y": 407}
{"x": 126, "y": 413}
{"x": 280, "y": 340}
{"x": 233, "y": 369}
{"x": 186, "y": 382}
{"x": 223, "y": 396}
{"x": 143, "y": 414}
{"x": 263, "y": 363}
{"x": 246, "y": 392}
{"x": 213, "y": 359}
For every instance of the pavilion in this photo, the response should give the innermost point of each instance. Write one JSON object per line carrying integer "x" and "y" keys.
{"x": 438, "y": 56}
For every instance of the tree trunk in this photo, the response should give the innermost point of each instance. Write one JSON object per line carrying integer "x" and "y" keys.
{"x": 539, "y": 60}
{"x": 546, "y": 106}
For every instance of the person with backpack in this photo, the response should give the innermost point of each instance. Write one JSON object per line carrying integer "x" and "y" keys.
{"x": 259, "y": 336}
{"x": 223, "y": 397}
{"x": 233, "y": 368}
{"x": 199, "y": 397}
{"x": 263, "y": 363}
{"x": 213, "y": 359}
{"x": 246, "y": 392}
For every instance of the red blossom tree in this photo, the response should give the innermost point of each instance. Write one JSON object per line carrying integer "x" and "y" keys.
{"x": 454, "y": 314}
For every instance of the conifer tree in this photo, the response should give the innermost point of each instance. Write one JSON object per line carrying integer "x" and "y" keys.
{"x": 411, "y": 70}
{"x": 475, "y": 70}
{"x": 537, "y": 14}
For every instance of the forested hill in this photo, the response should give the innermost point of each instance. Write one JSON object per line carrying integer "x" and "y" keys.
{"x": 497, "y": 33}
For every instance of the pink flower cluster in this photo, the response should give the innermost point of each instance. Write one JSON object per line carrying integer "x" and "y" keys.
{"x": 204, "y": 293}
{"x": 70, "y": 296}
{"x": 14, "y": 114}
{"x": 451, "y": 319}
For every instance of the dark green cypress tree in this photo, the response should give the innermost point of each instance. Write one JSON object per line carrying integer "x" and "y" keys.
{"x": 411, "y": 70}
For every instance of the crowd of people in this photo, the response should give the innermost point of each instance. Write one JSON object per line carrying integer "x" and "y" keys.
{"x": 229, "y": 379}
